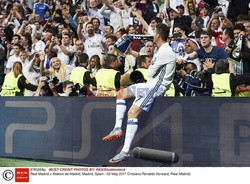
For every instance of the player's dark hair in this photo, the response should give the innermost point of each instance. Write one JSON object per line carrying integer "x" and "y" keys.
{"x": 163, "y": 31}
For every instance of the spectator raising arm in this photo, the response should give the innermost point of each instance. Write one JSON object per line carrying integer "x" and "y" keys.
{"x": 108, "y": 5}
{"x": 52, "y": 46}
{"x": 42, "y": 69}
{"x": 138, "y": 15}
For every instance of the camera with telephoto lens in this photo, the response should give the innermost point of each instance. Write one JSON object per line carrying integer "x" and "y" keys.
{"x": 54, "y": 81}
{"x": 180, "y": 66}
{"x": 137, "y": 77}
{"x": 47, "y": 89}
{"x": 77, "y": 90}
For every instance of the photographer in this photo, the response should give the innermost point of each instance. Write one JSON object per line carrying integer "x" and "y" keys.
{"x": 189, "y": 82}
{"x": 45, "y": 88}
{"x": 51, "y": 87}
{"x": 67, "y": 88}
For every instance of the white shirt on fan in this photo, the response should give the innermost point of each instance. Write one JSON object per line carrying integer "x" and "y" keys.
{"x": 39, "y": 47}
{"x": 114, "y": 18}
{"x": 64, "y": 57}
{"x": 12, "y": 59}
{"x": 92, "y": 45}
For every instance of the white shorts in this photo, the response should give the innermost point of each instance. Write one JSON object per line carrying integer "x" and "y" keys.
{"x": 145, "y": 94}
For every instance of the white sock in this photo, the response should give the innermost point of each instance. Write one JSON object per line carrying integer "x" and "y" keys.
{"x": 130, "y": 133}
{"x": 121, "y": 107}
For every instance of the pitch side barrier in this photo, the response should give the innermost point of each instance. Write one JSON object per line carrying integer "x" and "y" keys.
{"x": 202, "y": 131}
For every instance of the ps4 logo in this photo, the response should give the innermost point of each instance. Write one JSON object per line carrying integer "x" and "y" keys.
{"x": 233, "y": 137}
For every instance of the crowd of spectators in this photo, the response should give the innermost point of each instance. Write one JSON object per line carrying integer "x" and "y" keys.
{"x": 67, "y": 47}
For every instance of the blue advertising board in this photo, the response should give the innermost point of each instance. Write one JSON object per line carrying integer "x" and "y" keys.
{"x": 204, "y": 132}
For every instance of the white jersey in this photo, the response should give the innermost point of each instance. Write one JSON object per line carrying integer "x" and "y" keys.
{"x": 39, "y": 47}
{"x": 161, "y": 73}
{"x": 174, "y": 3}
{"x": 97, "y": 14}
{"x": 31, "y": 74}
{"x": 12, "y": 59}
{"x": 150, "y": 30}
{"x": 92, "y": 45}
{"x": 162, "y": 68}
{"x": 113, "y": 17}
{"x": 63, "y": 57}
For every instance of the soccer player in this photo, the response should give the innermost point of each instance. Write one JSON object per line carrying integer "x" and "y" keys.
{"x": 160, "y": 73}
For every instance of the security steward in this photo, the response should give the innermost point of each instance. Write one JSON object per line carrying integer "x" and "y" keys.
{"x": 15, "y": 84}
{"x": 143, "y": 62}
{"x": 225, "y": 82}
{"x": 81, "y": 74}
{"x": 221, "y": 79}
{"x": 108, "y": 78}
